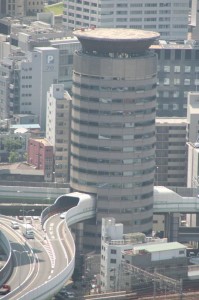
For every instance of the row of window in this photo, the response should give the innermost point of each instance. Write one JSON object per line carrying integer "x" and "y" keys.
{"x": 177, "y": 81}
{"x": 178, "y": 69}
{"x": 114, "y": 149}
{"x": 125, "y": 210}
{"x": 136, "y": 89}
{"x": 109, "y": 112}
{"x": 127, "y": 197}
{"x": 115, "y": 125}
{"x": 121, "y": 162}
{"x": 115, "y": 185}
{"x": 126, "y": 5}
{"x": 109, "y": 173}
{"x": 108, "y": 100}
{"x": 103, "y": 136}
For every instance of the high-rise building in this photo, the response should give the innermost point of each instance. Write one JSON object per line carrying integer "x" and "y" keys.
{"x": 169, "y": 18}
{"x": 113, "y": 125}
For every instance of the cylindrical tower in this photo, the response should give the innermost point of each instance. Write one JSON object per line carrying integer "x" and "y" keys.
{"x": 113, "y": 125}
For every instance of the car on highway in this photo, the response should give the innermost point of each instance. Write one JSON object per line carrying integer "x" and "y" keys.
{"x": 62, "y": 215}
{"x": 14, "y": 225}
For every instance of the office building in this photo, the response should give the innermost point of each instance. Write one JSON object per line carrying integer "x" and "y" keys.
{"x": 171, "y": 152}
{"x": 178, "y": 74}
{"x": 169, "y": 18}
{"x": 20, "y": 8}
{"x": 113, "y": 125}
{"x": 25, "y": 80}
{"x": 58, "y": 129}
{"x": 66, "y": 47}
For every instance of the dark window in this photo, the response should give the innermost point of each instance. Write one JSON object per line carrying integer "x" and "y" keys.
{"x": 113, "y": 251}
{"x": 197, "y": 54}
{"x": 187, "y": 54}
{"x": 177, "y": 54}
{"x": 167, "y": 54}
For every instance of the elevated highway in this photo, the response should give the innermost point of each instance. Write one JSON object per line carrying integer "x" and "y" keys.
{"x": 79, "y": 207}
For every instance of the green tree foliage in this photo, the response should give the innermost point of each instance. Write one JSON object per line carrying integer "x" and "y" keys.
{"x": 12, "y": 144}
{"x": 13, "y": 157}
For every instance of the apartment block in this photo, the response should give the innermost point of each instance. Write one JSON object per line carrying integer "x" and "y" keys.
{"x": 40, "y": 155}
{"x": 58, "y": 117}
{"x": 171, "y": 152}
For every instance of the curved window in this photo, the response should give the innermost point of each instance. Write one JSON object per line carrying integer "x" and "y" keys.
{"x": 112, "y": 185}
{"x": 113, "y": 149}
{"x": 114, "y": 161}
{"x": 114, "y": 125}
{"x": 108, "y": 173}
{"x": 136, "y": 89}
{"x": 113, "y": 137}
{"x": 110, "y": 100}
{"x": 128, "y": 198}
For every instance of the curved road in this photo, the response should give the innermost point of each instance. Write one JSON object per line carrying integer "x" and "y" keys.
{"x": 38, "y": 260}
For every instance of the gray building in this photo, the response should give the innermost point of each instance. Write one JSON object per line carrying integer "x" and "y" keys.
{"x": 178, "y": 73}
{"x": 113, "y": 126}
{"x": 171, "y": 152}
{"x": 169, "y": 18}
{"x": 58, "y": 117}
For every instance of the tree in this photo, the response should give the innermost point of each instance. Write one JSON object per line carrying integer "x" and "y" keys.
{"x": 13, "y": 157}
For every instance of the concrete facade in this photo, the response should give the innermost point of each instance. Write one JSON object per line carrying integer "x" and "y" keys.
{"x": 119, "y": 250}
{"x": 178, "y": 74}
{"x": 171, "y": 152}
{"x": 58, "y": 129}
{"x": 40, "y": 155}
{"x": 113, "y": 141}
{"x": 20, "y": 8}
{"x": 170, "y": 19}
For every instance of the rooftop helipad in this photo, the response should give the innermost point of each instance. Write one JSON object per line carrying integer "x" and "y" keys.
{"x": 115, "y": 39}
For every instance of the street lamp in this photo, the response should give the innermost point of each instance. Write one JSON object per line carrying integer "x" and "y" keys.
{"x": 26, "y": 211}
{"x": 20, "y": 254}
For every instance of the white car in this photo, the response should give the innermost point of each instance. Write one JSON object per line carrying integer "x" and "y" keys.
{"x": 62, "y": 215}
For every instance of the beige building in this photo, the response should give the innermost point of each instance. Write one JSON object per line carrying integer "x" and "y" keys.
{"x": 58, "y": 129}
{"x": 171, "y": 154}
{"x": 113, "y": 126}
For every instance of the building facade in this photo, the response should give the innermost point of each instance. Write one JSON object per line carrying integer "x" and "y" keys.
{"x": 58, "y": 129}
{"x": 113, "y": 125}
{"x": 40, "y": 155}
{"x": 178, "y": 74}
{"x": 171, "y": 152}
{"x": 170, "y": 19}
{"x": 20, "y": 8}
{"x": 120, "y": 253}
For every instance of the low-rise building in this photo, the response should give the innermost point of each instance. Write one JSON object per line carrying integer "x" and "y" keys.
{"x": 40, "y": 155}
{"x": 136, "y": 250}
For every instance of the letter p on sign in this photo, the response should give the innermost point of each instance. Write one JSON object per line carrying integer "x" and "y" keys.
{"x": 50, "y": 59}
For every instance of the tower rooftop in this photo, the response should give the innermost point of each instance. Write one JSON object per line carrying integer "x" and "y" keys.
{"x": 115, "y": 39}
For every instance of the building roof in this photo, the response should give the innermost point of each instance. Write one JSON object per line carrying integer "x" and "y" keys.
{"x": 115, "y": 39}
{"x": 43, "y": 141}
{"x": 165, "y": 195}
{"x": 157, "y": 247}
{"x": 171, "y": 121}
{"x": 27, "y": 126}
